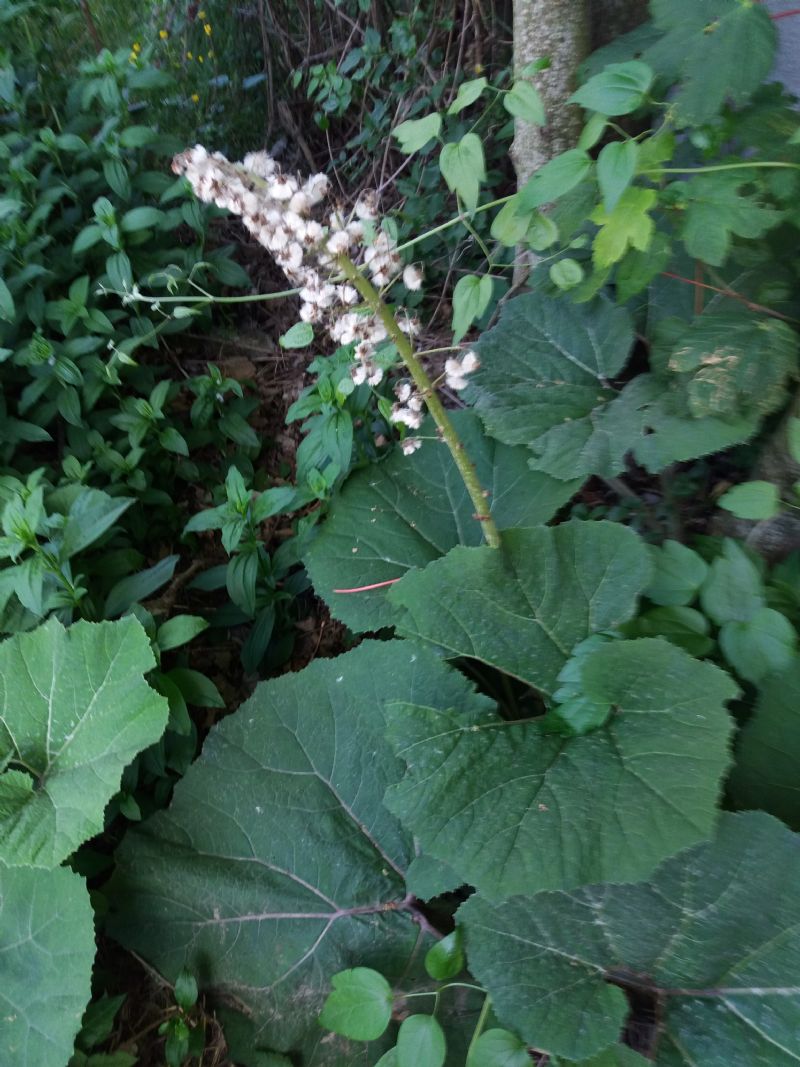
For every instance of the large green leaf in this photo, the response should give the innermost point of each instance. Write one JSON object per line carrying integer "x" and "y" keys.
{"x": 524, "y": 608}
{"x": 717, "y": 49}
{"x": 513, "y": 808}
{"x": 768, "y": 750}
{"x": 277, "y": 865}
{"x": 74, "y": 710}
{"x": 413, "y": 509}
{"x": 46, "y": 955}
{"x": 715, "y": 210}
{"x": 544, "y": 380}
{"x": 713, "y": 939}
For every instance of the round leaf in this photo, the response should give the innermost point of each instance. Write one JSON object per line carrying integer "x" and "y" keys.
{"x": 446, "y": 958}
{"x": 360, "y": 1006}
{"x": 420, "y": 1042}
{"x": 499, "y": 1048}
{"x": 618, "y": 90}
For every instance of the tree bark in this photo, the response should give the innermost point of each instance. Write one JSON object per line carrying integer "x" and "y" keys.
{"x": 560, "y": 30}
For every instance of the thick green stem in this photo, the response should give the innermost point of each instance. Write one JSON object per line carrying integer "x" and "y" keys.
{"x": 425, "y": 386}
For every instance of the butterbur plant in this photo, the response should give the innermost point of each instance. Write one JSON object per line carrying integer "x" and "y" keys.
{"x": 545, "y": 809}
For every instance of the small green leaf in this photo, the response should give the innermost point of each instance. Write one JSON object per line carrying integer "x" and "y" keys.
{"x": 141, "y": 218}
{"x": 752, "y": 500}
{"x": 6, "y": 302}
{"x": 195, "y": 687}
{"x": 463, "y": 168}
{"x": 733, "y": 590}
{"x": 763, "y": 645}
{"x": 468, "y": 93}
{"x": 677, "y": 576}
{"x": 618, "y": 90}
{"x": 137, "y": 136}
{"x": 592, "y": 131}
{"x": 185, "y": 990}
{"x": 179, "y": 630}
{"x": 446, "y": 958}
{"x": 616, "y": 166}
{"x": 87, "y": 238}
{"x": 566, "y": 274}
{"x": 499, "y": 1048}
{"x": 509, "y": 226}
{"x": 298, "y": 336}
{"x": 415, "y": 133}
{"x": 172, "y": 441}
{"x": 628, "y": 225}
{"x": 524, "y": 101}
{"x": 137, "y": 587}
{"x": 420, "y": 1042}
{"x": 360, "y": 1006}
{"x": 684, "y": 627}
{"x": 471, "y": 298}
{"x": 554, "y": 179}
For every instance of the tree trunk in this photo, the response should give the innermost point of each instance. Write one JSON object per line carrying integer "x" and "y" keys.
{"x": 558, "y": 29}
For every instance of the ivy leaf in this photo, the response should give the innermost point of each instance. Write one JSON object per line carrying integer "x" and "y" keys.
{"x": 616, "y": 166}
{"x": 46, "y": 956}
{"x": 524, "y": 101}
{"x": 415, "y": 133}
{"x": 628, "y": 225}
{"x": 74, "y": 711}
{"x": 558, "y": 585}
{"x": 410, "y": 510}
{"x": 468, "y": 93}
{"x": 544, "y": 379}
{"x": 463, "y": 168}
{"x": 498, "y": 800}
{"x": 554, "y": 179}
{"x": 701, "y": 42}
{"x": 768, "y": 750}
{"x": 360, "y": 1006}
{"x": 752, "y": 500}
{"x": 276, "y": 865}
{"x": 471, "y": 297}
{"x": 713, "y": 936}
{"x": 714, "y": 211}
{"x": 618, "y": 90}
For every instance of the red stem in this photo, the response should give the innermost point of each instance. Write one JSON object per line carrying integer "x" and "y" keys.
{"x": 751, "y": 305}
{"x": 785, "y": 14}
{"x": 366, "y": 588}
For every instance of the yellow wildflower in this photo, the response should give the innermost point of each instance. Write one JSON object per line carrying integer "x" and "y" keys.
{"x": 137, "y": 47}
{"x": 195, "y": 98}
{"x": 189, "y": 55}
{"x": 201, "y": 14}
{"x": 207, "y": 28}
{"x": 199, "y": 59}
{"x": 163, "y": 34}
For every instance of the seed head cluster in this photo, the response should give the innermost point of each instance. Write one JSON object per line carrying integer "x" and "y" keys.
{"x": 283, "y": 212}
